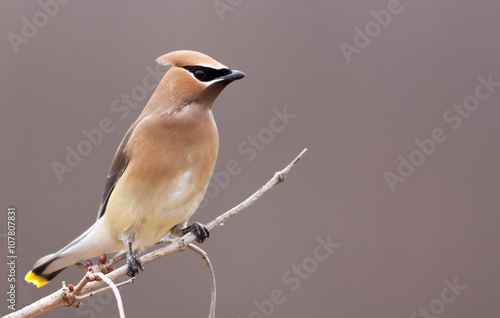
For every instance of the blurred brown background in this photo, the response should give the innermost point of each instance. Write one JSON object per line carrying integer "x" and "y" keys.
{"x": 397, "y": 248}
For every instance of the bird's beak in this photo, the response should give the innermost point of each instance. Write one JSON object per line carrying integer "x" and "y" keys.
{"x": 234, "y": 75}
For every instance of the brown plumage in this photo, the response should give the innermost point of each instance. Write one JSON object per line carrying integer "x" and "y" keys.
{"x": 160, "y": 171}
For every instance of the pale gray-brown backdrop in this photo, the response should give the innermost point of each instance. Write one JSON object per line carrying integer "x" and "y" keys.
{"x": 393, "y": 212}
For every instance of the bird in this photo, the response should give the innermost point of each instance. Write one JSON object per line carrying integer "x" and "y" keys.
{"x": 160, "y": 171}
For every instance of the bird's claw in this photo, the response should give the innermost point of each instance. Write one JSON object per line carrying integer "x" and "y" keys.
{"x": 199, "y": 230}
{"x": 133, "y": 264}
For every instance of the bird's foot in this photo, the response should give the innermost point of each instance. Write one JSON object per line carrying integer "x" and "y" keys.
{"x": 199, "y": 230}
{"x": 133, "y": 264}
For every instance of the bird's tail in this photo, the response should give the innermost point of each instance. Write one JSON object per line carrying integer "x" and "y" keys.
{"x": 91, "y": 243}
{"x": 39, "y": 275}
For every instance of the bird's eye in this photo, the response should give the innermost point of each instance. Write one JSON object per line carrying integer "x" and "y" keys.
{"x": 199, "y": 74}
{"x": 206, "y": 74}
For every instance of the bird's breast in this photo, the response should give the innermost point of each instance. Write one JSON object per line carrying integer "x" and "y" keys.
{"x": 165, "y": 181}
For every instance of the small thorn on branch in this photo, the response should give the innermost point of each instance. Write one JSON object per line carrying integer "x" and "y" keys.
{"x": 281, "y": 177}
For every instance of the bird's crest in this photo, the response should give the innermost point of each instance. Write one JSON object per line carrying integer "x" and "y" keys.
{"x": 186, "y": 58}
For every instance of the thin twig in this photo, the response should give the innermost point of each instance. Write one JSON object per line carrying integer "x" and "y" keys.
{"x": 115, "y": 291}
{"x": 93, "y": 293}
{"x": 212, "y": 275}
{"x": 82, "y": 266}
{"x": 54, "y": 300}
{"x": 277, "y": 179}
{"x": 116, "y": 258}
{"x": 85, "y": 280}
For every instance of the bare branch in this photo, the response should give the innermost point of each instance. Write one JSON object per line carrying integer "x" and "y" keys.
{"x": 115, "y": 291}
{"x": 212, "y": 275}
{"x": 277, "y": 179}
{"x": 129, "y": 281}
{"x": 58, "y": 298}
{"x": 45, "y": 304}
{"x": 81, "y": 284}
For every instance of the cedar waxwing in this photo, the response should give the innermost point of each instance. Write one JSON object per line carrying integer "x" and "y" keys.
{"x": 160, "y": 171}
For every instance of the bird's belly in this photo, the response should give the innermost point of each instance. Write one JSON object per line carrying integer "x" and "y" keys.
{"x": 146, "y": 213}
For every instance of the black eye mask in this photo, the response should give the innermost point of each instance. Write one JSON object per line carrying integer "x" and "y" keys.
{"x": 207, "y": 74}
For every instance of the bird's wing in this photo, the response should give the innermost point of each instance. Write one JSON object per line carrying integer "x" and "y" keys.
{"x": 118, "y": 166}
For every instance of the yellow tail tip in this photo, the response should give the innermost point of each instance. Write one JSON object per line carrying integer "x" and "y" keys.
{"x": 35, "y": 279}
